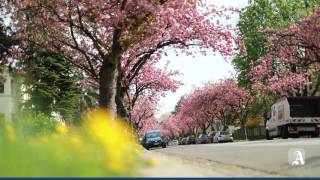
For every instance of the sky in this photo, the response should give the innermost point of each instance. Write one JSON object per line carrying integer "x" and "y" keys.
{"x": 195, "y": 71}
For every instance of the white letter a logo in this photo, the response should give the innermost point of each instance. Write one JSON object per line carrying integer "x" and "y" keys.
{"x": 299, "y": 159}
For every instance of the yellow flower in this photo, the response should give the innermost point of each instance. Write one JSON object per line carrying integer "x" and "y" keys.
{"x": 152, "y": 162}
{"x": 62, "y": 129}
{"x": 10, "y": 132}
{"x": 114, "y": 136}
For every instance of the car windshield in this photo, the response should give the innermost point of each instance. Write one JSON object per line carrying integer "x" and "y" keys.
{"x": 153, "y": 134}
{"x": 224, "y": 133}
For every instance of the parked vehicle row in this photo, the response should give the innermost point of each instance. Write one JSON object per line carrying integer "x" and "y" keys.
{"x": 212, "y": 137}
{"x": 155, "y": 138}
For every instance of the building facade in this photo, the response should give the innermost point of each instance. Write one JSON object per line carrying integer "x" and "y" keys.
{"x": 8, "y": 98}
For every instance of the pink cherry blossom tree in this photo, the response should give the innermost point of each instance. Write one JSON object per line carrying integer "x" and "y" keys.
{"x": 102, "y": 37}
{"x": 142, "y": 113}
{"x": 168, "y": 127}
{"x": 143, "y": 94}
{"x": 221, "y": 102}
{"x": 150, "y": 124}
{"x": 293, "y": 60}
{"x": 150, "y": 82}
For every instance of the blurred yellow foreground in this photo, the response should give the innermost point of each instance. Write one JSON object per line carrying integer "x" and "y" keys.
{"x": 102, "y": 146}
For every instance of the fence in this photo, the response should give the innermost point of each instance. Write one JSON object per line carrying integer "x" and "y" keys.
{"x": 252, "y": 133}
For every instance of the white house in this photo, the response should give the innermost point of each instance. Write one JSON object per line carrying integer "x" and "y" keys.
{"x": 11, "y": 96}
{"x": 8, "y": 100}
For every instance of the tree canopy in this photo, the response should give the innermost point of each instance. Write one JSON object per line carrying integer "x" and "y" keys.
{"x": 111, "y": 42}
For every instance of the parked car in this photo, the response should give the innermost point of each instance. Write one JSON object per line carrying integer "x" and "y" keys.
{"x": 203, "y": 139}
{"x": 211, "y": 135}
{"x": 183, "y": 141}
{"x": 173, "y": 142}
{"x": 191, "y": 139}
{"x": 222, "y": 136}
{"x": 153, "y": 138}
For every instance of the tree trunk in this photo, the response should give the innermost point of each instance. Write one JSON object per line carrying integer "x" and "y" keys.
{"x": 108, "y": 82}
{"x": 121, "y": 109}
{"x": 204, "y": 130}
{"x": 243, "y": 125}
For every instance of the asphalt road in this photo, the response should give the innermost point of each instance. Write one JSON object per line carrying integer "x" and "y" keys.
{"x": 259, "y": 158}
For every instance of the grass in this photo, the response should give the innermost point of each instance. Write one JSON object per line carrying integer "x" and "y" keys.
{"x": 101, "y": 147}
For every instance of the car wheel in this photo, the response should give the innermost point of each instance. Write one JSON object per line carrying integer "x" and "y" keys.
{"x": 268, "y": 136}
{"x": 315, "y": 134}
{"x": 164, "y": 146}
{"x": 284, "y": 132}
{"x": 295, "y": 136}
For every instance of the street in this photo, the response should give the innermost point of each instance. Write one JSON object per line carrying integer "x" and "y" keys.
{"x": 254, "y": 158}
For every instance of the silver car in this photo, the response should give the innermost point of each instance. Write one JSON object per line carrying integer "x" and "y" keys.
{"x": 203, "y": 139}
{"x": 222, "y": 136}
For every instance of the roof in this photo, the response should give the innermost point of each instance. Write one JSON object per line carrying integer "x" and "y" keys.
{"x": 304, "y": 98}
{"x": 299, "y": 98}
{"x": 151, "y": 131}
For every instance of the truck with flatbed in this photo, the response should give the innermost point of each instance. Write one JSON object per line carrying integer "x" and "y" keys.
{"x": 293, "y": 117}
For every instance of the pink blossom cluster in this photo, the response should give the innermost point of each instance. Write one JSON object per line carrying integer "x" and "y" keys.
{"x": 209, "y": 105}
{"x": 143, "y": 114}
{"x": 83, "y": 30}
{"x": 293, "y": 58}
{"x": 145, "y": 90}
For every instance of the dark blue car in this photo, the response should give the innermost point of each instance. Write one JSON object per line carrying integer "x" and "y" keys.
{"x": 154, "y": 138}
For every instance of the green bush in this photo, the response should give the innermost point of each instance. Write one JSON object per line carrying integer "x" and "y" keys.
{"x": 34, "y": 124}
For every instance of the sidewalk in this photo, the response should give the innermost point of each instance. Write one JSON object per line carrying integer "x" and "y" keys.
{"x": 160, "y": 164}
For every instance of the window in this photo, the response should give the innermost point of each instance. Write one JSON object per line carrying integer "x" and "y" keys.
{"x": 281, "y": 112}
{"x": 153, "y": 134}
{"x": 224, "y": 133}
{"x": 273, "y": 111}
{"x": 1, "y": 88}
